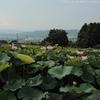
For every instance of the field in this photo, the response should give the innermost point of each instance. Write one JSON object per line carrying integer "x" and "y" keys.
{"x": 30, "y": 72}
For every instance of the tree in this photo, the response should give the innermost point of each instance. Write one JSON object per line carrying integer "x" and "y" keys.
{"x": 89, "y": 35}
{"x": 57, "y": 36}
{"x": 3, "y": 42}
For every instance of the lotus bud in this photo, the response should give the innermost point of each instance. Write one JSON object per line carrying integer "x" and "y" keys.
{"x": 7, "y": 83}
{"x": 57, "y": 63}
{"x": 48, "y": 58}
{"x": 42, "y": 57}
{"x": 74, "y": 83}
{"x": 31, "y": 82}
{"x": 47, "y": 97}
{"x": 10, "y": 64}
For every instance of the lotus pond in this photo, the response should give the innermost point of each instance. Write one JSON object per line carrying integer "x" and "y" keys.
{"x": 49, "y": 73}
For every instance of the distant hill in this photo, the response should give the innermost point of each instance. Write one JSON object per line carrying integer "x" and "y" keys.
{"x": 44, "y": 33}
{"x": 73, "y": 33}
{"x": 10, "y": 31}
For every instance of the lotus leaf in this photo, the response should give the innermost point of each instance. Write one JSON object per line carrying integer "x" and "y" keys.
{"x": 93, "y": 62}
{"x": 4, "y": 57}
{"x": 27, "y": 92}
{"x": 4, "y": 66}
{"x": 88, "y": 69}
{"x": 34, "y": 81}
{"x": 48, "y": 83}
{"x": 32, "y": 72}
{"x": 39, "y": 53}
{"x": 94, "y": 96}
{"x": 77, "y": 71}
{"x": 60, "y": 71}
{"x": 16, "y": 85}
{"x": 98, "y": 79}
{"x": 25, "y": 58}
{"x": 7, "y": 95}
{"x": 78, "y": 91}
{"x": 55, "y": 96}
{"x": 49, "y": 63}
{"x": 86, "y": 77}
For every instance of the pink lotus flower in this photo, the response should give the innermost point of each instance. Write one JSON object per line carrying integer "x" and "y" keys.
{"x": 43, "y": 48}
{"x": 70, "y": 57}
{"x": 84, "y": 58}
{"x": 87, "y": 51}
{"x": 48, "y": 58}
{"x": 80, "y": 52}
{"x": 10, "y": 64}
{"x": 23, "y": 46}
{"x": 13, "y": 47}
{"x": 7, "y": 83}
{"x": 49, "y": 47}
{"x": 95, "y": 50}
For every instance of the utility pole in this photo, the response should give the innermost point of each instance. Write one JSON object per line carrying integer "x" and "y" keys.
{"x": 17, "y": 36}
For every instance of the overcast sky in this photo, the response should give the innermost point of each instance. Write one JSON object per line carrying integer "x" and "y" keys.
{"x": 48, "y": 14}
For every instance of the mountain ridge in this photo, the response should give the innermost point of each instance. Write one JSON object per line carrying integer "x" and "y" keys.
{"x": 72, "y": 33}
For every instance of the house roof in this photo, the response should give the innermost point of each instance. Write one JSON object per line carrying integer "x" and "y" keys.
{"x": 21, "y": 42}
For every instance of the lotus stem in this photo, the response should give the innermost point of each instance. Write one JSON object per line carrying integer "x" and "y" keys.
{"x": 9, "y": 74}
{"x": 62, "y": 82}
{"x": 23, "y": 70}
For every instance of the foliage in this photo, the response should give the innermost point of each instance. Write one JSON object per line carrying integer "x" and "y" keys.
{"x": 3, "y": 42}
{"x": 89, "y": 35}
{"x": 49, "y": 73}
{"x": 56, "y": 36}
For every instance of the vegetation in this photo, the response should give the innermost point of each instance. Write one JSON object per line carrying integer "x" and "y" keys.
{"x": 3, "y": 42}
{"x": 30, "y": 72}
{"x": 49, "y": 73}
{"x": 56, "y": 36}
{"x": 89, "y": 35}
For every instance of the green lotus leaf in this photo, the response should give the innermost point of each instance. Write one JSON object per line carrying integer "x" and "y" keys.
{"x": 78, "y": 63}
{"x": 55, "y": 96}
{"x": 3, "y": 66}
{"x": 35, "y": 81}
{"x": 97, "y": 71}
{"x": 87, "y": 77}
{"x": 78, "y": 91}
{"x": 98, "y": 79}
{"x": 40, "y": 65}
{"x": 88, "y": 69}
{"x": 33, "y": 71}
{"x": 84, "y": 87}
{"x": 7, "y": 95}
{"x": 77, "y": 71}
{"x": 98, "y": 59}
{"x": 25, "y": 58}
{"x": 48, "y": 83}
{"x": 15, "y": 54}
{"x": 16, "y": 85}
{"x": 39, "y": 53}
{"x": 94, "y": 96}
{"x": 93, "y": 62}
{"x": 49, "y": 63}
{"x": 4, "y": 57}
{"x": 75, "y": 59}
{"x": 13, "y": 76}
{"x": 27, "y": 92}
{"x": 60, "y": 71}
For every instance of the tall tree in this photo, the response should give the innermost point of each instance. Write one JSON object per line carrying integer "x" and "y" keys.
{"x": 89, "y": 35}
{"x": 57, "y": 36}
